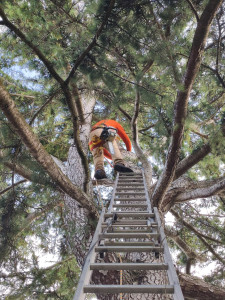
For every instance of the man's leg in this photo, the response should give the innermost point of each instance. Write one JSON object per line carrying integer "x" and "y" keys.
{"x": 98, "y": 155}
{"x": 119, "y": 164}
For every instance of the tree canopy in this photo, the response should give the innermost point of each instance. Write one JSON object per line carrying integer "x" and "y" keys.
{"x": 157, "y": 67}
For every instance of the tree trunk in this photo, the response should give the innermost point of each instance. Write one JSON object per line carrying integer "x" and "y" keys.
{"x": 78, "y": 226}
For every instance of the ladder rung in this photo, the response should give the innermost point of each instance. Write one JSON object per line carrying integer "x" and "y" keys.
{"x": 132, "y": 183}
{"x": 130, "y": 174}
{"x": 130, "y": 199}
{"x": 129, "y": 193}
{"x": 129, "y": 188}
{"x": 128, "y": 249}
{"x": 131, "y": 180}
{"x": 130, "y": 205}
{"x": 112, "y": 243}
{"x": 113, "y": 289}
{"x": 121, "y": 223}
{"x": 131, "y": 214}
{"x": 113, "y": 235}
{"x": 129, "y": 231}
{"x": 128, "y": 266}
{"x": 104, "y": 225}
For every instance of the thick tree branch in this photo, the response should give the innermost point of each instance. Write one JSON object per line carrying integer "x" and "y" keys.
{"x": 180, "y": 110}
{"x": 196, "y": 288}
{"x": 93, "y": 43}
{"x": 188, "y": 162}
{"x": 202, "y": 192}
{"x": 40, "y": 154}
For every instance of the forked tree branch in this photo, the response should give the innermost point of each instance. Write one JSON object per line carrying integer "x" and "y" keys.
{"x": 180, "y": 109}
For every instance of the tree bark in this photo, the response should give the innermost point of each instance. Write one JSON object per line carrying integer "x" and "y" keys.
{"x": 197, "y": 289}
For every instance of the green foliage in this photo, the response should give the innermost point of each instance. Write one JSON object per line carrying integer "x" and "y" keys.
{"x": 135, "y": 51}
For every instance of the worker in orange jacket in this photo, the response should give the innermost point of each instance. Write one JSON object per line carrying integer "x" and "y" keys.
{"x": 102, "y": 142}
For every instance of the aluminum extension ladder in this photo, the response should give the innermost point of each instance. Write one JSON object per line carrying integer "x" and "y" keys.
{"x": 115, "y": 233}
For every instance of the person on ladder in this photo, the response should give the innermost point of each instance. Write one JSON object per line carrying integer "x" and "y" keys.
{"x": 102, "y": 142}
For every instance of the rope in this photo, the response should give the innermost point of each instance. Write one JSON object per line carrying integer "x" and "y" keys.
{"x": 121, "y": 276}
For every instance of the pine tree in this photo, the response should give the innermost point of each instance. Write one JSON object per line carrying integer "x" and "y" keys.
{"x": 156, "y": 67}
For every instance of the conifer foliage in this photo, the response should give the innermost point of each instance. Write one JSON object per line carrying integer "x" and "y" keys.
{"x": 157, "y": 67}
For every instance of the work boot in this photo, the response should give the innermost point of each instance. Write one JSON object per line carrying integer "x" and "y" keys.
{"x": 100, "y": 174}
{"x": 121, "y": 168}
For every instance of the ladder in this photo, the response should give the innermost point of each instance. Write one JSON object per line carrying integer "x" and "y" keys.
{"x": 130, "y": 226}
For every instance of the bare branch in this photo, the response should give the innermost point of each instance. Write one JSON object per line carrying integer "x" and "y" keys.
{"x": 180, "y": 110}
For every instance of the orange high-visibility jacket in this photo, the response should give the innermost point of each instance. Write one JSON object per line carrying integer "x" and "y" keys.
{"x": 121, "y": 132}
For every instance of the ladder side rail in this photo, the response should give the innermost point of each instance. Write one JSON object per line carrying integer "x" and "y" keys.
{"x": 146, "y": 192}
{"x": 86, "y": 272}
{"x": 172, "y": 275}
{"x": 113, "y": 195}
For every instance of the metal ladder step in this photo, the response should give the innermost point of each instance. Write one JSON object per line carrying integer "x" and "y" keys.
{"x": 129, "y": 231}
{"x": 132, "y": 184}
{"x": 129, "y": 188}
{"x": 128, "y": 249}
{"x": 129, "y": 205}
{"x": 129, "y": 193}
{"x": 122, "y": 223}
{"x": 130, "y": 199}
{"x": 128, "y": 266}
{"x": 128, "y": 225}
{"x": 134, "y": 235}
{"x": 130, "y": 214}
{"x": 113, "y": 243}
{"x": 114, "y": 289}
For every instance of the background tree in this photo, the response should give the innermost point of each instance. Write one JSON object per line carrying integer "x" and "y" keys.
{"x": 155, "y": 66}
